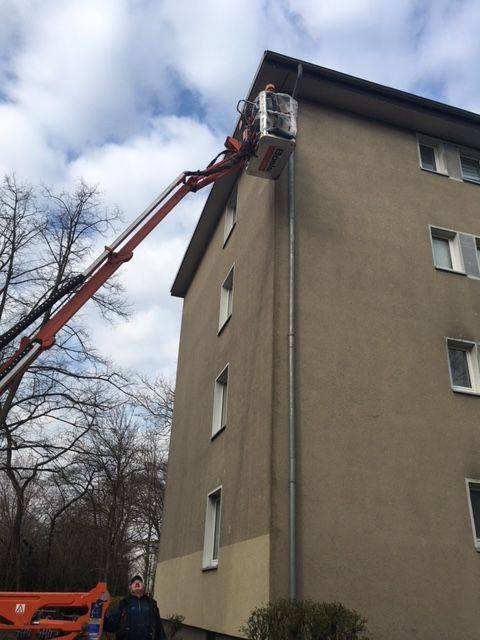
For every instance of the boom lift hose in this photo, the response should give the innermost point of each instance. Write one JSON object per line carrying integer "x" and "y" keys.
{"x": 80, "y": 288}
{"x": 64, "y": 289}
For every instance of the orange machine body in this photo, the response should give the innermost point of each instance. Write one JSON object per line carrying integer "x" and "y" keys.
{"x": 52, "y": 615}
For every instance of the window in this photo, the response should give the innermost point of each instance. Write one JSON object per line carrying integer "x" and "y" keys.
{"x": 447, "y": 159}
{"x": 427, "y": 157}
{"x": 211, "y": 543}
{"x": 470, "y": 169}
{"x": 442, "y": 253}
{"x": 473, "y": 496}
{"x": 226, "y": 299}
{"x": 230, "y": 215}
{"x": 446, "y": 250}
{"x": 459, "y": 367}
{"x": 220, "y": 402}
{"x": 463, "y": 366}
{"x": 432, "y": 155}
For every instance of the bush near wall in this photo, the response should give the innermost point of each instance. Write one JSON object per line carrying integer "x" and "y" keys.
{"x": 304, "y": 620}
{"x": 173, "y": 625}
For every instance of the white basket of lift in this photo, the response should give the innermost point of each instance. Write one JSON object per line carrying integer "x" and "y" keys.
{"x": 276, "y": 119}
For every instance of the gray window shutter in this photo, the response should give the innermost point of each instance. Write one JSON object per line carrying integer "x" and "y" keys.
{"x": 470, "y": 168}
{"x": 469, "y": 254}
{"x": 452, "y": 160}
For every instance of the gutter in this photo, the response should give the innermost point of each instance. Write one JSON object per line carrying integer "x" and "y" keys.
{"x": 292, "y": 446}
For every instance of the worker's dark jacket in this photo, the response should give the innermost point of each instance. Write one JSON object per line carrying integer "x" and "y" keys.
{"x": 136, "y": 619}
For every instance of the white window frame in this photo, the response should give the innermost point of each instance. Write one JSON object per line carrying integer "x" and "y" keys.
{"x": 477, "y": 247}
{"x": 471, "y": 156}
{"x": 472, "y": 352}
{"x": 226, "y": 299}
{"x": 439, "y": 152}
{"x": 230, "y": 214}
{"x": 468, "y": 482}
{"x": 212, "y": 532}
{"x": 454, "y": 246}
{"x": 220, "y": 401}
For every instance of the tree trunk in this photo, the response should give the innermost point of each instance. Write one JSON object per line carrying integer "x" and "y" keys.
{"x": 48, "y": 553}
{"x": 17, "y": 538}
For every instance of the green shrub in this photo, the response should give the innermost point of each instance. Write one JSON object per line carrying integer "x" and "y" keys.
{"x": 304, "y": 620}
{"x": 172, "y": 625}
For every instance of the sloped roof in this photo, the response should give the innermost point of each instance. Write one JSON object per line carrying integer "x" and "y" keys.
{"x": 341, "y": 91}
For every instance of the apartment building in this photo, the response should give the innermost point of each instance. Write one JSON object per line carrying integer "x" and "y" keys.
{"x": 387, "y": 375}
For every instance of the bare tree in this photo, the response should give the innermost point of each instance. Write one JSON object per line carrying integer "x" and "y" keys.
{"x": 112, "y": 453}
{"x": 44, "y": 415}
{"x": 107, "y": 505}
{"x": 61, "y": 493}
{"x": 82, "y": 448}
{"x": 149, "y": 506}
{"x": 153, "y": 401}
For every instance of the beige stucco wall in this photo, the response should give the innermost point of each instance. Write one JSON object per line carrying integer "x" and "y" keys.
{"x": 384, "y": 444}
{"x": 238, "y": 459}
{"x": 211, "y": 599}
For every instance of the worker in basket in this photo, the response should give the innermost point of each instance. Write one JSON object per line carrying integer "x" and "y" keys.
{"x": 137, "y": 616}
{"x": 279, "y": 117}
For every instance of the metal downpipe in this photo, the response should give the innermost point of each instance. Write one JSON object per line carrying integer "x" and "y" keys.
{"x": 292, "y": 454}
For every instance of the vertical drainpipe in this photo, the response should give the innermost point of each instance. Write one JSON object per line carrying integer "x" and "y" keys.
{"x": 292, "y": 473}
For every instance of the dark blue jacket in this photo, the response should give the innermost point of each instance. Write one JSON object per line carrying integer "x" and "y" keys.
{"x": 136, "y": 619}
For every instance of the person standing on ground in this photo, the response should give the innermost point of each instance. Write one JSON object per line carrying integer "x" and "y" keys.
{"x": 137, "y": 616}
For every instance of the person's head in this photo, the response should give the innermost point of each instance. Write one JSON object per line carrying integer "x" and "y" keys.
{"x": 136, "y": 586}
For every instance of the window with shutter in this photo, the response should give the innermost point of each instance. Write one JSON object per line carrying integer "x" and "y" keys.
{"x": 470, "y": 169}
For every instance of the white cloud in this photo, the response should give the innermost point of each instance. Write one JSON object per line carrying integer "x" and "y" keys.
{"x": 148, "y": 342}
{"x": 448, "y": 49}
{"x": 128, "y": 93}
{"x": 24, "y": 149}
{"x": 84, "y": 71}
{"x": 215, "y": 48}
{"x": 135, "y": 171}
{"x": 67, "y": 71}
{"x": 131, "y": 175}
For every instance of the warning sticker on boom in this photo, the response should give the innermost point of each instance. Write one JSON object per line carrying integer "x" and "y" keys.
{"x": 271, "y": 157}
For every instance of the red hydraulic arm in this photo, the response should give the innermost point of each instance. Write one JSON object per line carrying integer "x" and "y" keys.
{"x": 55, "y": 615}
{"x": 85, "y": 285}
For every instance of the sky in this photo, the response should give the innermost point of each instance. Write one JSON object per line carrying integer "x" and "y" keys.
{"x": 126, "y": 94}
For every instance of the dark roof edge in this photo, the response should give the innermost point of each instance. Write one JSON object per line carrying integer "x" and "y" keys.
{"x": 372, "y": 87}
{"x": 220, "y": 190}
{"x": 176, "y": 289}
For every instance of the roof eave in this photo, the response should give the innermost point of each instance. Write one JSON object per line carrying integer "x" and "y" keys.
{"x": 339, "y": 90}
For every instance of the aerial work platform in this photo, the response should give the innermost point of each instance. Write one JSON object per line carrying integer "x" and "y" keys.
{"x": 46, "y": 616}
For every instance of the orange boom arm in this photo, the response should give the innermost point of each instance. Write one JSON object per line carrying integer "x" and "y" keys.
{"x": 55, "y": 615}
